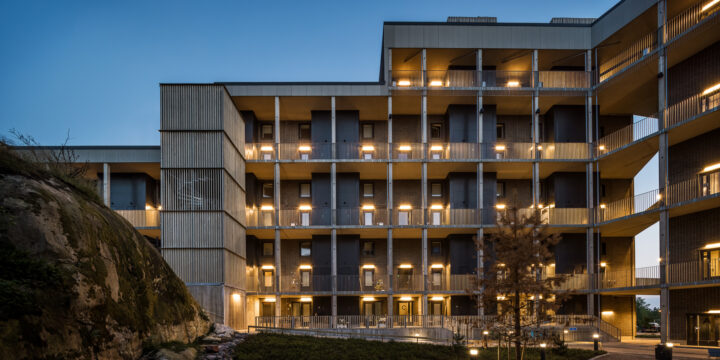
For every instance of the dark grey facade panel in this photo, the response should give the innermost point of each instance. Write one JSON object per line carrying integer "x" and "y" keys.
{"x": 620, "y": 15}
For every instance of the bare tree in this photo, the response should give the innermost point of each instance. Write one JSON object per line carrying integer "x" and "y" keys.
{"x": 513, "y": 279}
{"x": 60, "y": 160}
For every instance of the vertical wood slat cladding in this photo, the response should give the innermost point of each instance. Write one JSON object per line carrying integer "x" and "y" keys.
{"x": 695, "y": 74}
{"x": 196, "y": 265}
{"x": 689, "y": 157}
{"x": 192, "y": 189}
{"x": 191, "y": 107}
{"x": 190, "y": 230}
{"x": 192, "y": 149}
{"x": 686, "y": 237}
{"x": 690, "y": 301}
{"x": 234, "y": 270}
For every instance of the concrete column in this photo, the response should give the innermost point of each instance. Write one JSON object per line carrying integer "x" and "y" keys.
{"x": 536, "y": 140}
{"x": 663, "y": 169}
{"x": 276, "y": 207}
{"x": 333, "y": 130}
{"x": 478, "y": 67}
{"x": 535, "y": 75}
{"x": 333, "y": 271}
{"x": 388, "y": 75}
{"x": 278, "y": 271}
{"x": 424, "y": 271}
{"x": 106, "y": 184}
{"x": 423, "y": 65}
{"x": 390, "y": 271}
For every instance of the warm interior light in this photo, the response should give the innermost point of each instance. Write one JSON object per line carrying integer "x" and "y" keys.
{"x": 305, "y": 299}
{"x": 436, "y": 298}
{"x": 565, "y": 331}
{"x": 404, "y": 148}
{"x": 269, "y": 299}
{"x": 148, "y": 207}
{"x": 403, "y": 83}
{"x": 712, "y": 246}
{"x": 601, "y": 147}
{"x": 368, "y": 298}
{"x": 552, "y": 265}
{"x": 405, "y": 266}
{"x": 713, "y": 312}
{"x": 500, "y": 206}
{"x": 436, "y": 266}
{"x": 602, "y": 206}
{"x": 368, "y": 207}
{"x": 305, "y": 267}
{"x": 603, "y": 264}
{"x": 485, "y": 332}
{"x": 304, "y": 148}
{"x": 711, "y": 167}
{"x": 267, "y": 267}
{"x": 436, "y": 83}
{"x": 266, "y": 208}
{"x": 499, "y": 147}
{"x": 707, "y": 6}
{"x": 437, "y": 207}
{"x": 266, "y": 148}
{"x": 513, "y": 83}
{"x": 236, "y": 297}
{"x": 658, "y": 196}
{"x": 474, "y": 352}
{"x": 405, "y": 298}
{"x": 436, "y": 148}
{"x": 608, "y": 312}
{"x": 159, "y": 207}
{"x": 305, "y": 207}
{"x": 543, "y": 345}
{"x": 405, "y": 207}
{"x": 669, "y": 345}
{"x": 368, "y": 148}
{"x": 501, "y": 297}
{"x": 596, "y": 336}
{"x": 659, "y": 259}
{"x": 368, "y": 266}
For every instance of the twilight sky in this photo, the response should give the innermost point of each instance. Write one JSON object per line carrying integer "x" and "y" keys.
{"x": 93, "y": 67}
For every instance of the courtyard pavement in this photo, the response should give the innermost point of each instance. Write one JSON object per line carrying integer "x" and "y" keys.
{"x": 640, "y": 349}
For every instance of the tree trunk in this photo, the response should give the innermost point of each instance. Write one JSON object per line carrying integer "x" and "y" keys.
{"x": 516, "y": 310}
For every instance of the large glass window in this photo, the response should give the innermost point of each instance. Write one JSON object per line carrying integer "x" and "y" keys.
{"x": 710, "y": 263}
{"x": 305, "y": 248}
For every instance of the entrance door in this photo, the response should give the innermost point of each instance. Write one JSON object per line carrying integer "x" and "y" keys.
{"x": 405, "y": 308}
{"x": 268, "y": 309}
{"x": 703, "y": 330}
{"x": 436, "y": 308}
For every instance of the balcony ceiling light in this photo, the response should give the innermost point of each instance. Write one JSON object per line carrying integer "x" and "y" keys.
{"x": 266, "y": 208}
{"x": 552, "y": 265}
{"x": 436, "y": 266}
{"x": 603, "y": 264}
{"x": 368, "y": 298}
{"x": 499, "y": 147}
{"x": 601, "y": 147}
{"x": 269, "y": 299}
{"x": 305, "y": 207}
{"x": 436, "y": 148}
{"x": 404, "y": 83}
{"x": 711, "y": 167}
{"x": 436, "y": 83}
{"x": 602, "y": 206}
{"x": 500, "y": 206}
{"x": 712, "y": 246}
{"x": 305, "y": 267}
{"x": 500, "y": 297}
{"x": 368, "y": 207}
{"x": 404, "y": 148}
{"x": 236, "y": 297}
{"x": 304, "y": 148}
{"x": 268, "y": 267}
{"x": 148, "y": 207}
{"x": 368, "y": 266}
{"x": 405, "y": 298}
{"x": 436, "y": 298}
{"x": 266, "y": 148}
{"x": 405, "y": 207}
{"x": 368, "y": 148}
{"x": 713, "y": 312}
{"x": 707, "y": 6}
{"x": 305, "y": 299}
{"x": 513, "y": 83}
{"x": 406, "y": 266}
{"x": 608, "y": 312}
{"x": 436, "y": 207}
{"x": 474, "y": 352}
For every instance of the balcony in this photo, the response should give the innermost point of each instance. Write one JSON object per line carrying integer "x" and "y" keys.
{"x": 563, "y": 151}
{"x": 408, "y": 217}
{"x": 637, "y": 51}
{"x": 558, "y": 216}
{"x": 356, "y": 283}
{"x": 689, "y": 18}
{"x": 409, "y": 283}
{"x": 447, "y": 79}
{"x": 692, "y": 107}
{"x": 634, "y": 277}
{"x": 306, "y": 216}
{"x": 260, "y": 283}
{"x": 457, "y": 282}
{"x": 706, "y": 185}
{"x": 312, "y": 283}
{"x": 449, "y": 217}
{"x": 141, "y": 218}
{"x": 647, "y": 201}
{"x": 639, "y": 130}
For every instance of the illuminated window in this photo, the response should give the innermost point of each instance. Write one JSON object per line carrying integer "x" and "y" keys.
{"x": 305, "y": 278}
{"x": 266, "y": 132}
{"x": 368, "y": 275}
{"x": 710, "y": 263}
{"x": 304, "y": 131}
{"x": 304, "y": 190}
{"x": 305, "y": 248}
{"x": 267, "y": 278}
{"x": 437, "y": 277}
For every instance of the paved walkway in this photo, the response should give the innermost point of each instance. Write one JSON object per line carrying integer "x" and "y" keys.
{"x": 641, "y": 349}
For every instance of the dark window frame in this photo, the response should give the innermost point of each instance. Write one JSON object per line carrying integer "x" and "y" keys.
{"x": 432, "y": 191}
{"x": 436, "y": 127}
{"x": 272, "y": 248}
{"x": 300, "y": 192}
{"x": 308, "y": 247}
{"x": 300, "y": 131}
{"x": 262, "y": 132}
{"x": 269, "y": 186}
{"x": 362, "y": 130}
{"x": 433, "y": 245}
{"x": 500, "y": 130}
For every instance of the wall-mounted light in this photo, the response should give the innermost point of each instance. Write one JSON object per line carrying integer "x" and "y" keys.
{"x": 268, "y": 267}
{"x": 707, "y": 6}
{"x": 405, "y": 266}
{"x": 658, "y": 196}
{"x": 711, "y": 167}
{"x": 602, "y": 206}
{"x": 596, "y": 336}
{"x": 368, "y": 207}
{"x": 272, "y": 299}
{"x": 368, "y": 298}
{"x": 405, "y": 298}
{"x": 474, "y": 352}
{"x": 266, "y": 208}
{"x": 712, "y": 246}
{"x": 403, "y": 83}
{"x": 305, "y": 267}
{"x": 148, "y": 207}
{"x": 436, "y": 298}
{"x": 601, "y": 147}
{"x": 499, "y": 147}
{"x": 603, "y": 264}
{"x": 436, "y": 83}
{"x": 436, "y": 148}
{"x": 236, "y": 297}
{"x": 368, "y": 266}
{"x": 436, "y": 266}
{"x": 607, "y": 312}
{"x": 500, "y": 206}
{"x": 513, "y": 83}
{"x": 500, "y": 297}
{"x": 305, "y": 299}
{"x": 305, "y": 207}
{"x": 266, "y": 148}
{"x": 304, "y": 148}
{"x": 436, "y": 207}
{"x": 368, "y": 148}
{"x": 713, "y": 311}
{"x": 552, "y": 265}
{"x": 659, "y": 259}
{"x": 405, "y": 207}
{"x": 404, "y": 148}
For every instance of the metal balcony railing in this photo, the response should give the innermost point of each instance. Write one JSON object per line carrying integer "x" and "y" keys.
{"x": 257, "y": 282}
{"x": 312, "y": 283}
{"x": 451, "y": 78}
{"x": 490, "y": 78}
{"x": 508, "y": 150}
{"x": 564, "y": 79}
{"x": 650, "y": 200}
{"x": 257, "y": 217}
{"x": 452, "y": 151}
{"x": 447, "y": 216}
{"x": 640, "y": 129}
{"x": 688, "y": 18}
{"x": 141, "y": 218}
{"x": 628, "y": 56}
{"x": 577, "y": 151}
{"x": 319, "y": 216}
{"x": 694, "y": 271}
{"x": 410, "y": 217}
{"x": 691, "y": 107}
{"x": 409, "y": 283}
{"x": 260, "y": 151}
{"x": 408, "y": 151}
{"x": 692, "y": 189}
{"x": 305, "y": 151}
{"x": 632, "y": 277}
{"x": 406, "y": 78}
{"x": 507, "y": 79}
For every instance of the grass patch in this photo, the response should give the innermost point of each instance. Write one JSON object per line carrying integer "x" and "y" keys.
{"x": 274, "y": 346}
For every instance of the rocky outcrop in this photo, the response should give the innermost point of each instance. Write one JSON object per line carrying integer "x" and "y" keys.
{"x": 78, "y": 281}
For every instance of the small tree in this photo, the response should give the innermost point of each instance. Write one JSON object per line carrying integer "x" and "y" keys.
{"x": 513, "y": 278}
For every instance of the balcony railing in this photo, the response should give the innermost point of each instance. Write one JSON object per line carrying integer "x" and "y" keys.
{"x": 503, "y": 150}
{"x": 507, "y": 79}
{"x": 688, "y": 18}
{"x": 355, "y": 283}
{"x": 636, "y": 51}
{"x": 628, "y": 206}
{"x": 313, "y": 283}
{"x": 691, "y": 107}
{"x": 451, "y": 78}
{"x": 141, "y": 218}
{"x": 319, "y": 216}
{"x": 452, "y": 151}
{"x": 559, "y": 216}
{"x": 693, "y": 189}
{"x": 490, "y": 78}
{"x": 305, "y": 151}
{"x": 406, "y": 78}
{"x": 563, "y": 151}
{"x": 257, "y": 217}
{"x": 411, "y": 217}
{"x": 440, "y": 217}
{"x": 258, "y": 283}
{"x": 694, "y": 271}
{"x": 408, "y": 283}
{"x": 564, "y": 79}
{"x": 408, "y": 151}
{"x": 634, "y": 132}
{"x": 633, "y": 277}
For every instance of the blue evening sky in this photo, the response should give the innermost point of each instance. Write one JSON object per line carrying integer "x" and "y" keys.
{"x": 93, "y": 67}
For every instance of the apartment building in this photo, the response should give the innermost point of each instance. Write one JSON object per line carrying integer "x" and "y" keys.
{"x": 345, "y": 204}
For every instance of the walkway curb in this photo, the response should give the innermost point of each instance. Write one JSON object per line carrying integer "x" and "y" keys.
{"x": 600, "y": 356}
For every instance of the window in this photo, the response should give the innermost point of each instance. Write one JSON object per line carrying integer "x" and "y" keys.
{"x": 268, "y": 249}
{"x": 436, "y": 131}
{"x": 500, "y": 189}
{"x": 305, "y": 248}
{"x": 368, "y": 131}
{"x": 304, "y": 131}
{"x": 368, "y": 248}
{"x": 602, "y": 190}
{"x": 436, "y": 248}
{"x": 368, "y": 190}
{"x": 710, "y": 263}
{"x": 500, "y": 130}
{"x": 304, "y": 190}
{"x": 436, "y": 190}
{"x": 368, "y": 275}
{"x": 436, "y": 277}
{"x": 305, "y": 278}
{"x": 403, "y": 217}
{"x": 266, "y": 132}
{"x": 268, "y": 278}
{"x": 267, "y": 190}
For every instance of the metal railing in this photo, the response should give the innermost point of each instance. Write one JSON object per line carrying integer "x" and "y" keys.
{"x": 636, "y": 51}
{"x": 564, "y": 79}
{"x": 633, "y": 277}
{"x": 408, "y": 151}
{"x": 490, "y": 78}
{"x": 687, "y": 19}
{"x": 260, "y": 151}
{"x": 304, "y": 151}
{"x": 411, "y": 217}
{"x": 563, "y": 151}
{"x": 318, "y": 216}
{"x": 406, "y": 78}
{"x": 409, "y": 283}
{"x": 650, "y": 200}
{"x": 355, "y": 283}
{"x": 141, "y": 218}
{"x": 451, "y": 78}
{"x": 313, "y": 283}
{"x": 691, "y": 107}
{"x": 638, "y": 130}
{"x": 256, "y": 217}
{"x": 360, "y": 216}
{"x": 502, "y": 150}
{"x": 453, "y": 217}
{"x": 452, "y": 151}
{"x": 564, "y": 216}
{"x": 507, "y": 79}
{"x": 694, "y": 271}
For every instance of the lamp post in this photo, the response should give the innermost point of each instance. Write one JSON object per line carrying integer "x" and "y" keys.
{"x": 596, "y": 337}
{"x": 542, "y": 351}
{"x": 485, "y": 336}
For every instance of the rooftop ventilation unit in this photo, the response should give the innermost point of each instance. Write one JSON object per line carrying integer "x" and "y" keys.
{"x": 569, "y": 20}
{"x": 471, "y": 19}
